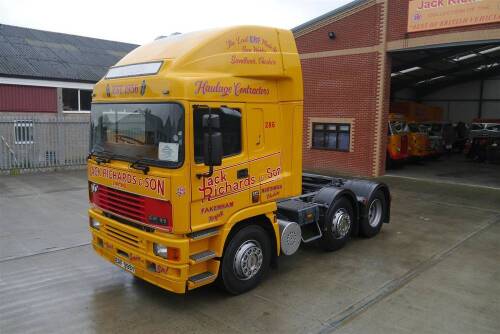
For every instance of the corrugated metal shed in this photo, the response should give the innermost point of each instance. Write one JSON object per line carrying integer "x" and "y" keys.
{"x": 38, "y": 54}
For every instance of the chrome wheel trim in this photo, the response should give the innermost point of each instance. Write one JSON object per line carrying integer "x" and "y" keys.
{"x": 248, "y": 260}
{"x": 375, "y": 213}
{"x": 341, "y": 223}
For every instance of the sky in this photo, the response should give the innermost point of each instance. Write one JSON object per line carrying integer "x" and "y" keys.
{"x": 141, "y": 21}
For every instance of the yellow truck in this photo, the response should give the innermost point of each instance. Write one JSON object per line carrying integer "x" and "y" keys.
{"x": 195, "y": 169}
{"x": 397, "y": 140}
{"x": 419, "y": 145}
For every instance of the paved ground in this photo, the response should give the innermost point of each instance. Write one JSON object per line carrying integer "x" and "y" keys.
{"x": 453, "y": 168}
{"x": 434, "y": 269}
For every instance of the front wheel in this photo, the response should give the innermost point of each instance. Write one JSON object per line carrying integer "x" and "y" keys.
{"x": 377, "y": 210}
{"x": 246, "y": 260}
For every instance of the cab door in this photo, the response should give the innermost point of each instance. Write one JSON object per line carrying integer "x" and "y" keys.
{"x": 215, "y": 198}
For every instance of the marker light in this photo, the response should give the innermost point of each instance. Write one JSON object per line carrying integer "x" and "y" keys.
{"x": 134, "y": 70}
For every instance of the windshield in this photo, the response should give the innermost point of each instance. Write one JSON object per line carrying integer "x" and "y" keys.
{"x": 437, "y": 128}
{"x": 413, "y": 128}
{"x": 398, "y": 127}
{"x": 419, "y": 128}
{"x": 151, "y": 132}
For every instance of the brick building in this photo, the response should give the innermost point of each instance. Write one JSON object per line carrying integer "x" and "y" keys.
{"x": 359, "y": 58}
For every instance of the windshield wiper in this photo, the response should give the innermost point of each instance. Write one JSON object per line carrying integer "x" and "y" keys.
{"x": 139, "y": 164}
{"x": 101, "y": 156}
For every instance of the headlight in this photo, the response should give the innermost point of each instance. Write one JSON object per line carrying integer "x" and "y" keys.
{"x": 160, "y": 250}
{"x": 95, "y": 224}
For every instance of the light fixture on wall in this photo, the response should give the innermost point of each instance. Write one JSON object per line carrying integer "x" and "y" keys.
{"x": 331, "y": 35}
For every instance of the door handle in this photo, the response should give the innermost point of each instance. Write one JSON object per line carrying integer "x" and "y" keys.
{"x": 242, "y": 173}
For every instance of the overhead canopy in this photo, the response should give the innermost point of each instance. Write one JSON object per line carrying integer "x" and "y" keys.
{"x": 431, "y": 68}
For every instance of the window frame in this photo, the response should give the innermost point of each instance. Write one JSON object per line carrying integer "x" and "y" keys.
{"x": 80, "y": 110}
{"x": 197, "y": 161}
{"x": 24, "y": 124}
{"x": 325, "y": 131}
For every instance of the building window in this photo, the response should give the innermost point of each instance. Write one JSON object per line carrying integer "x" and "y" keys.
{"x": 76, "y": 99}
{"x": 331, "y": 136}
{"x": 23, "y": 131}
{"x": 230, "y": 127}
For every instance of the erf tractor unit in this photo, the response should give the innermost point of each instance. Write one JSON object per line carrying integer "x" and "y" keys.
{"x": 195, "y": 170}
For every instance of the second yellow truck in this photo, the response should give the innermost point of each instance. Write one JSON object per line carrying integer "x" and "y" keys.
{"x": 195, "y": 171}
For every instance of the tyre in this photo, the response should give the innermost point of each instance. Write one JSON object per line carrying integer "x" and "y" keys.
{"x": 337, "y": 226}
{"x": 377, "y": 210}
{"x": 246, "y": 260}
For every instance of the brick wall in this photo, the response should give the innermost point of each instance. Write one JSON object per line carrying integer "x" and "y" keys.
{"x": 398, "y": 19}
{"x": 348, "y": 82}
{"x": 385, "y": 116}
{"x": 341, "y": 87}
{"x": 358, "y": 30}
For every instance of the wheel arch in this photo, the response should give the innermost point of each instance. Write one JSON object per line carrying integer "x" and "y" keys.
{"x": 329, "y": 195}
{"x": 364, "y": 191}
{"x": 263, "y": 215}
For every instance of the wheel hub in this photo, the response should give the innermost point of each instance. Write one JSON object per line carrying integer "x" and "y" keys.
{"x": 341, "y": 223}
{"x": 248, "y": 260}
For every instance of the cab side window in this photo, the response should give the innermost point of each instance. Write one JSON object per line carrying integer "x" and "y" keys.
{"x": 230, "y": 127}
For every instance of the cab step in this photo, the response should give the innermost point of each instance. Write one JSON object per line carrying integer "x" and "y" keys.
{"x": 202, "y": 256}
{"x": 199, "y": 278}
{"x": 204, "y": 234}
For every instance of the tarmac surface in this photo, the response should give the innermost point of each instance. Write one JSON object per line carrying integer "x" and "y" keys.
{"x": 434, "y": 269}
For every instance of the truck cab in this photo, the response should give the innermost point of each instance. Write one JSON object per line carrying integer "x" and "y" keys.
{"x": 397, "y": 141}
{"x": 419, "y": 146}
{"x": 196, "y": 145}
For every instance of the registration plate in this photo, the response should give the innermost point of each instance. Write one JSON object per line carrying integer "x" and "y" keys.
{"x": 124, "y": 265}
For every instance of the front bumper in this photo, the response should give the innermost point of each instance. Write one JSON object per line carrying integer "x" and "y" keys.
{"x": 398, "y": 156}
{"x": 135, "y": 247}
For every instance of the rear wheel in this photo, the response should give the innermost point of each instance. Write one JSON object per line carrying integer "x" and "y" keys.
{"x": 246, "y": 260}
{"x": 377, "y": 210}
{"x": 337, "y": 225}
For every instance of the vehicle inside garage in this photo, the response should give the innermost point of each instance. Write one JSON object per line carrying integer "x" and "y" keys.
{"x": 444, "y": 110}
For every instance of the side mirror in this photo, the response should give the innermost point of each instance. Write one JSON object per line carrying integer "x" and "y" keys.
{"x": 212, "y": 140}
{"x": 211, "y": 121}
{"x": 212, "y": 149}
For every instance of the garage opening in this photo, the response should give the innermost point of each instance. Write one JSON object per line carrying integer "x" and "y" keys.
{"x": 444, "y": 121}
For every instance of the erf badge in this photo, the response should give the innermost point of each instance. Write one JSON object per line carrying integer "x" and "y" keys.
{"x": 180, "y": 191}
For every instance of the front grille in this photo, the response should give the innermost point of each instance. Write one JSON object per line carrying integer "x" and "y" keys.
{"x": 122, "y": 236}
{"x": 123, "y": 204}
{"x": 129, "y": 223}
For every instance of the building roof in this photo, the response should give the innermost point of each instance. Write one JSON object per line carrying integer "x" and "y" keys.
{"x": 336, "y": 11}
{"x": 37, "y": 54}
